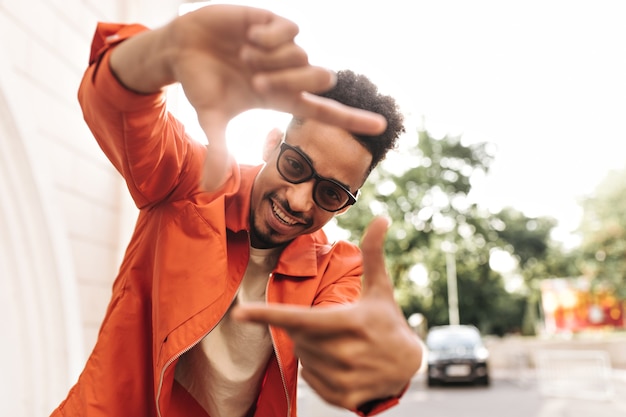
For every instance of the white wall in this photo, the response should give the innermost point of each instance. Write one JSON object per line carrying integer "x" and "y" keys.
{"x": 64, "y": 213}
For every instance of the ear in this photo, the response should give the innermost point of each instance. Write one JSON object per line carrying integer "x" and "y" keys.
{"x": 272, "y": 140}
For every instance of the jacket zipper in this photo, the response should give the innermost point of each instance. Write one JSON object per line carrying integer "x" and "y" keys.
{"x": 187, "y": 349}
{"x": 278, "y": 359}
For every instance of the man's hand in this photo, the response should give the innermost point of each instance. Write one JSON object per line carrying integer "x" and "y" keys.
{"x": 356, "y": 353}
{"x": 230, "y": 59}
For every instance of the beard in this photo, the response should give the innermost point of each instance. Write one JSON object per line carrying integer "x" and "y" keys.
{"x": 262, "y": 240}
{"x": 262, "y": 236}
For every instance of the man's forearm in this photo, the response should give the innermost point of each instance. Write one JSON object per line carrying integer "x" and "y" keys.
{"x": 141, "y": 63}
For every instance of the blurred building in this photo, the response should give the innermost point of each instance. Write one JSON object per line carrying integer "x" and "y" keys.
{"x": 64, "y": 212}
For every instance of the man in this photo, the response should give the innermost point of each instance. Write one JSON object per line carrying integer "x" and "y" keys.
{"x": 212, "y": 263}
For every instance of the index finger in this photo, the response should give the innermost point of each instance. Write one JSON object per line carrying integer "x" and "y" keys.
{"x": 323, "y": 321}
{"x": 352, "y": 119}
{"x": 289, "y": 90}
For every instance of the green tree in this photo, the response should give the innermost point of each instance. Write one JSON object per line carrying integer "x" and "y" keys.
{"x": 537, "y": 255}
{"x": 426, "y": 200}
{"x": 528, "y": 240}
{"x": 428, "y": 205}
{"x": 603, "y": 230}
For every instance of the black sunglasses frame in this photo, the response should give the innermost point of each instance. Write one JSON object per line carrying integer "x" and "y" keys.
{"x": 284, "y": 146}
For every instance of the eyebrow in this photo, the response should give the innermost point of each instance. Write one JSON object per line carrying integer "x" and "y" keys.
{"x": 310, "y": 161}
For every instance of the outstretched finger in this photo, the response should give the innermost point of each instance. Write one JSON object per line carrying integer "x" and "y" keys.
{"x": 287, "y": 56}
{"x": 293, "y": 80}
{"x": 352, "y": 119}
{"x": 375, "y": 275}
{"x": 322, "y": 321}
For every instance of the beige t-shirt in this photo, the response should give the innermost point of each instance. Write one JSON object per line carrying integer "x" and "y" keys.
{"x": 224, "y": 371}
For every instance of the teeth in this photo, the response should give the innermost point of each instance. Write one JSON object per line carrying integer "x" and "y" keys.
{"x": 282, "y": 215}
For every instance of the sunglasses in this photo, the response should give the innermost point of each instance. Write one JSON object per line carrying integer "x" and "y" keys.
{"x": 295, "y": 167}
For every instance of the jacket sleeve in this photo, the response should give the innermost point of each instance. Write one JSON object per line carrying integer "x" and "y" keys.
{"x": 144, "y": 142}
{"x": 374, "y": 407}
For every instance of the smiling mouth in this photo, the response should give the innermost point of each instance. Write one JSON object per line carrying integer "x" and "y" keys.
{"x": 282, "y": 216}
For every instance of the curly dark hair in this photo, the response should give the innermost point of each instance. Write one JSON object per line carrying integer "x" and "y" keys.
{"x": 356, "y": 90}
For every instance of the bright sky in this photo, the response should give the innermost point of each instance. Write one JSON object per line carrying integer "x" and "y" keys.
{"x": 543, "y": 80}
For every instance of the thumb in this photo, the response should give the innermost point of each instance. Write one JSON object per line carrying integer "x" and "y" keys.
{"x": 217, "y": 158}
{"x": 375, "y": 278}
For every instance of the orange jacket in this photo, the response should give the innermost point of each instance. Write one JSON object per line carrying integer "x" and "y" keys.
{"x": 185, "y": 260}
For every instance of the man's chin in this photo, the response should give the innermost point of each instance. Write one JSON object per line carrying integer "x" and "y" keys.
{"x": 267, "y": 240}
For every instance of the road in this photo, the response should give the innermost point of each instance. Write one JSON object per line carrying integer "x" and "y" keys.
{"x": 511, "y": 396}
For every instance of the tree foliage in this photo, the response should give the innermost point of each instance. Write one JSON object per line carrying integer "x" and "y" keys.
{"x": 603, "y": 228}
{"x": 425, "y": 201}
{"x": 428, "y": 204}
{"x": 537, "y": 255}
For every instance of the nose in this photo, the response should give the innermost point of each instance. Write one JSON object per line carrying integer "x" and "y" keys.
{"x": 300, "y": 196}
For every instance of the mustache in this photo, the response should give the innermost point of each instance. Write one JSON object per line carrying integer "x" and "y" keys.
{"x": 284, "y": 205}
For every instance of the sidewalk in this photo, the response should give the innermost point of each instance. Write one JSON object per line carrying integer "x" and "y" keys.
{"x": 309, "y": 405}
{"x": 615, "y": 406}
{"x": 611, "y": 405}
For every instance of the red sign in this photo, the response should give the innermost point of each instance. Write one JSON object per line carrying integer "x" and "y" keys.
{"x": 570, "y": 305}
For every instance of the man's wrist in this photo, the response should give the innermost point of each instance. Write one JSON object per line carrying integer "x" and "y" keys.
{"x": 380, "y": 404}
